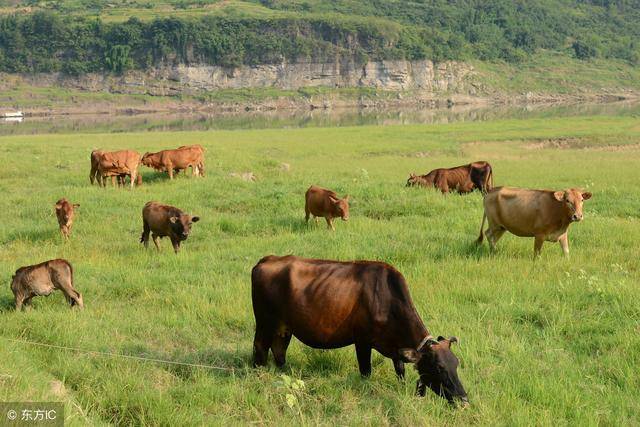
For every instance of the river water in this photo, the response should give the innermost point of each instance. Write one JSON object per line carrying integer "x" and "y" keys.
{"x": 293, "y": 119}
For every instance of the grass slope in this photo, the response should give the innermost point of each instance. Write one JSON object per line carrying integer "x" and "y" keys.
{"x": 551, "y": 342}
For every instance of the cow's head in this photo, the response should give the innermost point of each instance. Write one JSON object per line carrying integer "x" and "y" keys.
{"x": 341, "y": 207}
{"x": 413, "y": 180}
{"x": 147, "y": 159}
{"x": 572, "y": 200}
{"x": 438, "y": 369}
{"x": 181, "y": 225}
{"x": 64, "y": 210}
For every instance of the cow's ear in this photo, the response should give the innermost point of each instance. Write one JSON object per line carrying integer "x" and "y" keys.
{"x": 559, "y": 195}
{"x": 409, "y": 355}
{"x": 334, "y": 200}
{"x": 586, "y": 196}
{"x": 76, "y": 205}
{"x": 58, "y": 206}
{"x": 174, "y": 219}
{"x": 195, "y": 218}
{"x": 346, "y": 198}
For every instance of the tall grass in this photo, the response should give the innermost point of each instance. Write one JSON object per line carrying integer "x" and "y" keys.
{"x": 548, "y": 342}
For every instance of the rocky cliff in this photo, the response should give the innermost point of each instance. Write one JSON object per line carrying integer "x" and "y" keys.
{"x": 421, "y": 76}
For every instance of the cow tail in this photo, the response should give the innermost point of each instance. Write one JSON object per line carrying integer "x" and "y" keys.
{"x": 490, "y": 177}
{"x": 481, "y": 237}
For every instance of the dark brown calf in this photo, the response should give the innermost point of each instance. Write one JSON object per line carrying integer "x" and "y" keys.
{"x": 42, "y": 279}
{"x": 321, "y": 202}
{"x": 165, "y": 221}
{"x": 65, "y": 213}
{"x": 463, "y": 179}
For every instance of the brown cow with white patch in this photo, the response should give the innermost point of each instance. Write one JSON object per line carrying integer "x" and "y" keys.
{"x": 165, "y": 221}
{"x": 42, "y": 279}
{"x": 65, "y": 212}
{"x": 542, "y": 214}
{"x": 463, "y": 179}
{"x": 321, "y": 202}
{"x": 171, "y": 161}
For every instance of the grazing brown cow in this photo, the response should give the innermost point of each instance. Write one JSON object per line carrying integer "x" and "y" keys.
{"x": 543, "y": 214}
{"x": 171, "y": 161}
{"x": 65, "y": 213}
{"x": 332, "y": 304}
{"x": 321, "y": 202}
{"x": 463, "y": 179}
{"x": 164, "y": 220}
{"x": 42, "y": 279}
{"x": 115, "y": 164}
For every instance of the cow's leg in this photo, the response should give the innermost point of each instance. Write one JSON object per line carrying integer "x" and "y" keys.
{"x": 363, "y": 352}
{"x": 154, "y": 236}
{"x": 330, "y": 223}
{"x": 493, "y": 235}
{"x": 279, "y": 347}
{"x": 537, "y": 245}
{"x": 133, "y": 176}
{"x": 176, "y": 244}
{"x": 564, "y": 243}
{"x": 26, "y": 303}
{"x": 201, "y": 169}
{"x": 398, "y": 365}
{"x": 18, "y": 301}
{"x": 170, "y": 171}
{"x": 144, "y": 238}
{"x": 262, "y": 343}
{"x": 71, "y": 295}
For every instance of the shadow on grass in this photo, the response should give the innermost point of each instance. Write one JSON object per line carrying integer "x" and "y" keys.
{"x": 7, "y": 303}
{"x": 37, "y": 235}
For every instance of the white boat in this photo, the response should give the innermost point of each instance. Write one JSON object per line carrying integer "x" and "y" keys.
{"x": 11, "y": 114}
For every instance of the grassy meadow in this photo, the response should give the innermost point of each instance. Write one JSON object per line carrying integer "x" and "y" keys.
{"x": 551, "y": 342}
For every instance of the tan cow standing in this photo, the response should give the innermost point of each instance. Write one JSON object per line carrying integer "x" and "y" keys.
{"x": 42, "y": 279}
{"x": 542, "y": 214}
{"x": 173, "y": 161}
{"x": 65, "y": 212}
{"x": 321, "y": 202}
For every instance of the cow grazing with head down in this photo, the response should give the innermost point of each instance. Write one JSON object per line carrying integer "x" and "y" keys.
{"x": 65, "y": 212}
{"x": 321, "y": 202}
{"x": 165, "y": 221}
{"x": 331, "y": 304}
{"x": 543, "y": 214}
{"x": 116, "y": 164}
{"x": 173, "y": 161}
{"x": 463, "y": 179}
{"x": 42, "y": 279}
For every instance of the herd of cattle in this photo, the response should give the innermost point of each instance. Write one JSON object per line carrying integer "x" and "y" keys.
{"x": 324, "y": 303}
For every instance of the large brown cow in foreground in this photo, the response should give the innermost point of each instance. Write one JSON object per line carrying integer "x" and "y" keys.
{"x": 463, "y": 179}
{"x": 42, "y": 279}
{"x": 543, "y": 214}
{"x": 321, "y": 202}
{"x": 65, "y": 212}
{"x": 171, "y": 161}
{"x": 116, "y": 164}
{"x": 331, "y": 304}
{"x": 165, "y": 221}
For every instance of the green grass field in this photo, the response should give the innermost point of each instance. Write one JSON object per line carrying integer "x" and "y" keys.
{"x": 551, "y": 342}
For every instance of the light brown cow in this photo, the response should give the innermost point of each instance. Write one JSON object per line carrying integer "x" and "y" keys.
{"x": 42, "y": 279}
{"x": 65, "y": 212}
{"x": 115, "y": 164}
{"x": 171, "y": 161}
{"x": 321, "y": 202}
{"x": 543, "y": 214}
